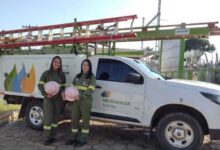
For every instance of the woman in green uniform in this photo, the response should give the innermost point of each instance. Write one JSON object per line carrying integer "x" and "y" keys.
{"x": 52, "y": 103}
{"x": 85, "y": 83}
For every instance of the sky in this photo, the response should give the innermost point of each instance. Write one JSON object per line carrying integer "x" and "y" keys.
{"x": 16, "y": 13}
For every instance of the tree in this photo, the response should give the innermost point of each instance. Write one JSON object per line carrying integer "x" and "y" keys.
{"x": 149, "y": 49}
{"x": 199, "y": 44}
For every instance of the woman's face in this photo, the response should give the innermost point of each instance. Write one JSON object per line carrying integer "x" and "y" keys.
{"x": 85, "y": 67}
{"x": 56, "y": 64}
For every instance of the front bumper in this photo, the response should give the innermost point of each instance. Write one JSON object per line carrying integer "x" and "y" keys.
{"x": 214, "y": 134}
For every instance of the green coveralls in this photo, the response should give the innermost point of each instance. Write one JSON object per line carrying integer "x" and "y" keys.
{"x": 81, "y": 108}
{"x": 51, "y": 106}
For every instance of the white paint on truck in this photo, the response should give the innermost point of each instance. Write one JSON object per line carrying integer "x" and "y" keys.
{"x": 127, "y": 92}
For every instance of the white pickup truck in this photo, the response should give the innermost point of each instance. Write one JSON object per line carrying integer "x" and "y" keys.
{"x": 127, "y": 92}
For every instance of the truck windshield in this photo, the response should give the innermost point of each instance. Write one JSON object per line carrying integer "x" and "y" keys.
{"x": 150, "y": 72}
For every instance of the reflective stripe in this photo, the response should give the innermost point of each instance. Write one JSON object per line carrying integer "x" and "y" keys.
{"x": 47, "y": 127}
{"x": 81, "y": 87}
{"x": 85, "y": 131}
{"x": 84, "y": 88}
{"x": 54, "y": 125}
{"x": 41, "y": 82}
{"x": 91, "y": 87}
{"x": 74, "y": 130}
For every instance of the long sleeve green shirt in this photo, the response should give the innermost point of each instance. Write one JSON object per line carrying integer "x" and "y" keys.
{"x": 86, "y": 86}
{"x": 47, "y": 76}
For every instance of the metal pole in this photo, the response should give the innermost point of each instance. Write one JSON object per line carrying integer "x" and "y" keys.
{"x": 142, "y": 42}
{"x": 157, "y": 44}
{"x": 159, "y": 12}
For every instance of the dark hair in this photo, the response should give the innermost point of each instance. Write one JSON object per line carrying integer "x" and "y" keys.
{"x": 51, "y": 64}
{"x": 89, "y": 75}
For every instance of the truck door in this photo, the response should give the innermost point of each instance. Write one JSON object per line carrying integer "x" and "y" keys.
{"x": 115, "y": 98}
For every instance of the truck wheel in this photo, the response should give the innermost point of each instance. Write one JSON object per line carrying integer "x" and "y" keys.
{"x": 34, "y": 115}
{"x": 179, "y": 131}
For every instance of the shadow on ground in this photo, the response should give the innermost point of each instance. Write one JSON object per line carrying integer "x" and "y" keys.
{"x": 18, "y": 135}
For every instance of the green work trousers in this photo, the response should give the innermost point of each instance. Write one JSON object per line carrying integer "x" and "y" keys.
{"x": 51, "y": 110}
{"x": 81, "y": 109}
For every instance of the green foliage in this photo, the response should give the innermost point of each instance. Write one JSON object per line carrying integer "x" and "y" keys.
{"x": 199, "y": 44}
{"x": 7, "y": 107}
{"x": 130, "y": 53}
{"x": 149, "y": 49}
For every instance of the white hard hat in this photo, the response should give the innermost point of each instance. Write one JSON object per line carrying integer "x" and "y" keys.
{"x": 52, "y": 88}
{"x": 71, "y": 93}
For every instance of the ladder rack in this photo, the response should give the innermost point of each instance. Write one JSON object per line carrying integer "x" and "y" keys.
{"x": 77, "y": 36}
{"x": 69, "y": 33}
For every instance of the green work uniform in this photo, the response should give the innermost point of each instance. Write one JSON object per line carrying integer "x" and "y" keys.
{"x": 81, "y": 108}
{"x": 51, "y": 106}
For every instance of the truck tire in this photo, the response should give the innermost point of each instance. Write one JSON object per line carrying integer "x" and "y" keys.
{"x": 34, "y": 115}
{"x": 179, "y": 131}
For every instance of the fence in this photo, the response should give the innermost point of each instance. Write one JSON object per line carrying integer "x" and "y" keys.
{"x": 207, "y": 74}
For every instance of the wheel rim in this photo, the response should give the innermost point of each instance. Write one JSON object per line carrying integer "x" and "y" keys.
{"x": 36, "y": 115}
{"x": 179, "y": 134}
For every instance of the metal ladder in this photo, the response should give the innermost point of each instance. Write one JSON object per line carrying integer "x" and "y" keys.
{"x": 68, "y": 33}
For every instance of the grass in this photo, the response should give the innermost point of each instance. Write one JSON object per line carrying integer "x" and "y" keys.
{"x": 126, "y": 53}
{"x": 130, "y": 53}
{"x": 7, "y": 107}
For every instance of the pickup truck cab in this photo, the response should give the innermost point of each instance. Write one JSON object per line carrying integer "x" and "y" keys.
{"x": 181, "y": 112}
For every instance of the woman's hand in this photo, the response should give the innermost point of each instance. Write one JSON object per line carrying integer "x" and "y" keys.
{"x": 77, "y": 97}
{"x": 49, "y": 96}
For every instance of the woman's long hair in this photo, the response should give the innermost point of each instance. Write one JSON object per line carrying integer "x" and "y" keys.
{"x": 51, "y": 64}
{"x": 90, "y": 69}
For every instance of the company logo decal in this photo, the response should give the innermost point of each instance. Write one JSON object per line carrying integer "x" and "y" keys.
{"x": 106, "y": 94}
{"x": 106, "y": 98}
{"x": 20, "y": 81}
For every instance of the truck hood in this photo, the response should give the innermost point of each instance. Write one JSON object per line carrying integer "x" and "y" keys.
{"x": 195, "y": 85}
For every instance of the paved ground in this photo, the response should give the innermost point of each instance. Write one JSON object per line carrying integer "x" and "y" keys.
{"x": 18, "y": 136}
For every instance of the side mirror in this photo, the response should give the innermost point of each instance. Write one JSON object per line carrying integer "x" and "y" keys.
{"x": 134, "y": 78}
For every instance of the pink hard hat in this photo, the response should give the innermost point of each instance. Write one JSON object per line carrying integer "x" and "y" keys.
{"x": 52, "y": 88}
{"x": 71, "y": 93}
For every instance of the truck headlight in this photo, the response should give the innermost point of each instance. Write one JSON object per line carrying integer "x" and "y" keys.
{"x": 214, "y": 98}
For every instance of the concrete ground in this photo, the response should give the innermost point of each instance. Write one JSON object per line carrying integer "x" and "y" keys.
{"x": 18, "y": 136}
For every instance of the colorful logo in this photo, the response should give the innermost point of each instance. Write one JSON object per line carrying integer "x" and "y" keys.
{"x": 21, "y": 81}
{"x": 106, "y": 94}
